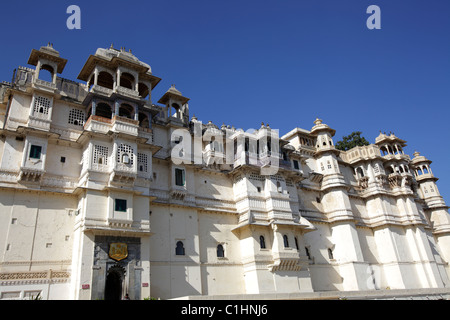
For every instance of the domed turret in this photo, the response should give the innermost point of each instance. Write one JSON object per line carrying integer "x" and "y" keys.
{"x": 324, "y": 136}
{"x": 173, "y": 98}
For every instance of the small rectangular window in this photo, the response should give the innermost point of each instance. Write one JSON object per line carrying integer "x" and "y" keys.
{"x": 296, "y": 164}
{"x": 120, "y": 205}
{"x": 35, "y": 152}
{"x": 63, "y": 159}
{"x": 179, "y": 177}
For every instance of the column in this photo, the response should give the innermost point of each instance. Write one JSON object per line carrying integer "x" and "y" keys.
{"x": 116, "y": 107}
{"x": 95, "y": 76}
{"x": 118, "y": 77}
{"x": 136, "y": 112}
{"x": 94, "y": 106}
{"x": 38, "y": 69}
{"x": 149, "y": 115}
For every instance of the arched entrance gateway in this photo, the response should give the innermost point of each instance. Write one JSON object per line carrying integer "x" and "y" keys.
{"x": 114, "y": 284}
{"x": 117, "y": 269}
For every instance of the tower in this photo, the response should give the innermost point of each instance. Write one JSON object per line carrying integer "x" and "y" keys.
{"x": 178, "y": 104}
{"x": 345, "y": 246}
{"x": 435, "y": 208}
{"x": 48, "y": 59}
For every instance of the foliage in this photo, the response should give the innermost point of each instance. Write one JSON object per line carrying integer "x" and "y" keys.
{"x": 354, "y": 139}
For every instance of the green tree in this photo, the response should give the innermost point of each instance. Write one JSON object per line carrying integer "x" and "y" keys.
{"x": 354, "y": 139}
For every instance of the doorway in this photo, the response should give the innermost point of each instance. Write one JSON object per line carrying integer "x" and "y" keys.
{"x": 114, "y": 281}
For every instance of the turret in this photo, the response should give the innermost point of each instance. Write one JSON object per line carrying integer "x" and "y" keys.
{"x": 326, "y": 153}
{"x": 177, "y": 106}
{"x": 426, "y": 181}
{"x": 48, "y": 59}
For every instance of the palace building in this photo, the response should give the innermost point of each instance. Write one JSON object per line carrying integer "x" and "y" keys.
{"x": 106, "y": 190}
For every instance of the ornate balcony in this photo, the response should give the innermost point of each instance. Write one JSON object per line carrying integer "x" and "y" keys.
{"x": 125, "y": 125}
{"x": 116, "y": 124}
{"x": 39, "y": 122}
{"x": 133, "y": 94}
{"x": 96, "y": 89}
{"x": 98, "y": 124}
{"x": 30, "y": 174}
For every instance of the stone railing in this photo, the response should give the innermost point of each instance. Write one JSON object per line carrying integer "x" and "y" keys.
{"x": 125, "y": 125}
{"x": 44, "y": 84}
{"x": 360, "y": 153}
{"x": 38, "y": 122}
{"x": 102, "y": 90}
{"x": 98, "y": 124}
{"x": 127, "y": 92}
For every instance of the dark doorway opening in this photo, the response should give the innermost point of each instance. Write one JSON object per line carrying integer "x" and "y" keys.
{"x": 113, "y": 286}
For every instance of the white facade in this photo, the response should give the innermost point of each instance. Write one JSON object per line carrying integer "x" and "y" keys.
{"x": 86, "y": 166}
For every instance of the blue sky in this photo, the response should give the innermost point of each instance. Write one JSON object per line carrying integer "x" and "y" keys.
{"x": 279, "y": 62}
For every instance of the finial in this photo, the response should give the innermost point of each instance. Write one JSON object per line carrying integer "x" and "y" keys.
{"x": 112, "y": 46}
{"x": 317, "y": 121}
{"x": 416, "y": 153}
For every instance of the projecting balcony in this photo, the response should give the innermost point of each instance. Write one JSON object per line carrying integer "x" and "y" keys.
{"x": 287, "y": 261}
{"x": 125, "y": 125}
{"x": 116, "y": 124}
{"x": 39, "y": 122}
{"x": 213, "y": 153}
{"x": 44, "y": 85}
{"x": 30, "y": 174}
{"x": 98, "y": 124}
{"x": 130, "y": 93}
{"x": 96, "y": 89}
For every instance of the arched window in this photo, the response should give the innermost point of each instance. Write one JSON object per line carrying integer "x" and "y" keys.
{"x": 286, "y": 241}
{"x": 143, "y": 120}
{"x": 425, "y": 170}
{"x": 179, "y": 250}
{"x": 177, "y": 113}
{"x": 330, "y": 254}
{"x": 220, "y": 251}
{"x": 127, "y": 80}
{"x": 103, "y": 110}
{"x": 419, "y": 171}
{"x": 125, "y": 111}
{"x": 125, "y": 158}
{"x": 143, "y": 90}
{"x": 360, "y": 172}
{"x": 279, "y": 189}
{"x": 46, "y": 73}
{"x": 262, "y": 242}
{"x": 105, "y": 79}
